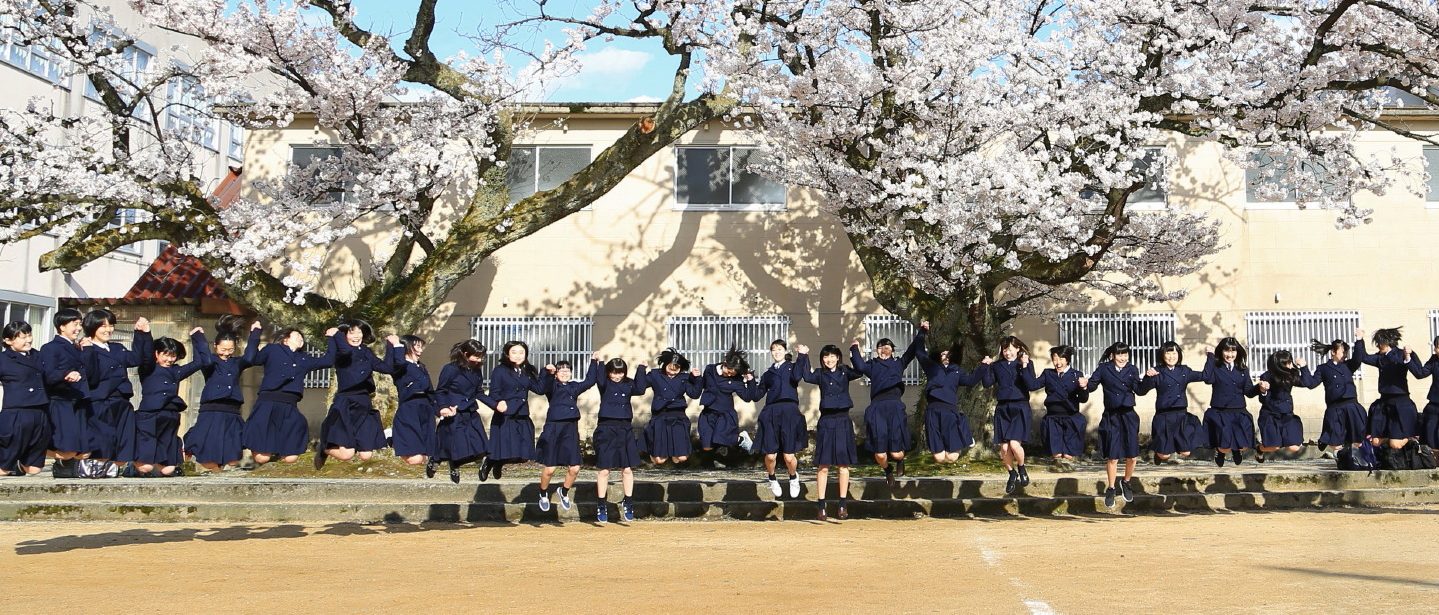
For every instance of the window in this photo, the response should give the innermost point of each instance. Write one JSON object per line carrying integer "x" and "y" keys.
{"x": 134, "y": 65}
{"x": 540, "y": 168}
{"x": 1091, "y": 333}
{"x": 236, "y": 147}
{"x": 1433, "y": 324}
{"x": 303, "y": 156}
{"x": 1268, "y": 332}
{"x": 33, "y": 309}
{"x": 320, "y": 378}
{"x": 717, "y": 178}
{"x": 1431, "y": 164}
{"x": 1267, "y": 182}
{"x": 187, "y": 112}
{"x": 36, "y": 59}
{"x": 550, "y": 339}
{"x": 1152, "y": 195}
{"x": 128, "y": 216}
{"x": 898, "y": 330}
{"x": 706, "y": 339}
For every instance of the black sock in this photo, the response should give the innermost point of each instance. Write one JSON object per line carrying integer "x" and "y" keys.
{"x": 821, "y": 502}
{"x": 564, "y": 491}
{"x": 1014, "y": 472}
{"x": 771, "y": 476}
{"x": 792, "y": 477}
{"x": 544, "y": 493}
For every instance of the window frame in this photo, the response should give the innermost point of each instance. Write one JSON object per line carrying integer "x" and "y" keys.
{"x": 1249, "y": 203}
{"x": 772, "y": 327}
{"x": 522, "y": 328}
{"x": 339, "y": 153}
{"x": 535, "y": 166}
{"x": 1294, "y": 321}
{"x": 48, "y": 305}
{"x": 1430, "y": 155}
{"x": 182, "y": 106}
{"x": 59, "y": 65}
{"x": 675, "y": 183}
{"x": 1114, "y": 327}
{"x": 879, "y": 326}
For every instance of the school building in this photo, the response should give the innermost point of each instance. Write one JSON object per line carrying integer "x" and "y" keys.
{"x": 693, "y": 251}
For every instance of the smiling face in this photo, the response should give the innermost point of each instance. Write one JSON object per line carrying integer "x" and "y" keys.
{"x": 1336, "y": 354}
{"x": 830, "y": 361}
{"x": 884, "y": 351}
{"x": 165, "y": 359}
{"x": 225, "y": 349}
{"x": 1059, "y": 362}
{"x": 355, "y": 336}
{"x": 1009, "y": 353}
{"x": 944, "y": 357}
{"x": 563, "y": 373}
{"x": 1121, "y": 359}
{"x": 21, "y": 342}
{"x": 1229, "y": 354}
{"x": 776, "y": 352}
{"x": 672, "y": 369}
{"x": 295, "y": 340}
{"x": 616, "y": 376}
{"x": 103, "y": 332}
{"x": 415, "y": 351}
{"x": 1171, "y": 358}
{"x": 70, "y": 330}
{"x": 726, "y": 371}
{"x": 516, "y": 355}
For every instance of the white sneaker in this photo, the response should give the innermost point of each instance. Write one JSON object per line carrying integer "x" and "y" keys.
{"x": 544, "y": 502}
{"x": 774, "y": 487}
{"x": 745, "y": 442}
{"x": 794, "y": 487}
{"x": 564, "y": 499}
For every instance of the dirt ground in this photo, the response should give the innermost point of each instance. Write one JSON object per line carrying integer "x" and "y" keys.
{"x": 1214, "y": 563}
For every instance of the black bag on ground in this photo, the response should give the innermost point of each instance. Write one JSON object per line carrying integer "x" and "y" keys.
{"x": 1414, "y": 456}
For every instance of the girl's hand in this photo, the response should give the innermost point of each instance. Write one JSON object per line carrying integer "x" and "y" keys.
{"x": 695, "y": 371}
{"x": 987, "y": 360}
{"x": 855, "y": 343}
{"x": 1358, "y": 333}
{"x": 502, "y": 406}
{"x": 72, "y": 377}
{"x": 801, "y": 349}
{"x": 394, "y": 340}
{"x": 197, "y": 330}
{"x": 142, "y": 324}
{"x": 595, "y": 356}
{"x": 331, "y": 331}
{"x": 85, "y": 341}
{"x": 1083, "y": 382}
{"x": 749, "y": 376}
{"x": 1301, "y": 363}
{"x": 1023, "y": 361}
{"x": 924, "y": 325}
{"x": 1263, "y": 386}
{"x": 1150, "y": 372}
{"x": 447, "y": 412}
{"x": 255, "y": 326}
{"x": 550, "y": 367}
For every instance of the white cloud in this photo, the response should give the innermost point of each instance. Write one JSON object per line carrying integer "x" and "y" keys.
{"x": 608, "y": 69}
{"x": 643, "y": 99}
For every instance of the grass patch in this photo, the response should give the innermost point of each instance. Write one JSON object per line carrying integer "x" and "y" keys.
{"x": 384, "y": 464}
{"x": 923, "y": 465}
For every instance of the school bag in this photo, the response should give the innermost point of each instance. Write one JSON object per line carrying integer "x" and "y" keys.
{"x": 1358, "y": 458}
{"x": 1414, "y": 456}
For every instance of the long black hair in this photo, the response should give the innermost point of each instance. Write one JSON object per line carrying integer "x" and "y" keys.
{"x": 366, "y": 330}
{"x": 1388, "y": 337}
{"x": 1065, "y": 351}
{"x": 16, "y": 328}
{"x": 1280, "y": 374}
{"x": 170, "y": 345}
{"x": 1010, "y": 340}
{"x": 409, "y": 342}
{"x": 955, "y": 352}
{"x": 1116, "y": 348}
{"x": 1324, "y": 349}
{"x": 670, "y": 356}
{"x": 460, "y": 352}
{"x": 1164, "y": 349}
{"x": 95, "y": 319}
{"x": 526, "y": 367}
{"x": 1241, "y": 358}
{"x": 283, "y": 333}
{"x": 228, "y": 328}
{"x": 734, "y": 359}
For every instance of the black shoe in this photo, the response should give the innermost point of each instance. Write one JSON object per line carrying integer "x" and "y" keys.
{"x": 843, "y": 512}
{"x": 495, "y": 469}
{"x": 63, "y": 468}
{"x": 320, "y": 458}
{"x": 454, "y": 473}
{"x": 1259, "y": 456}
{"x": 822, "y": 516}
{"x": 1237, "y": 456}
{"x": 1124, "y": 490}
{"x": 485, "y": 470}
{"x": 900, "y": 469}
{"x": 1023, "y": 476}
{"x": 1219, "y": 458}
{"x": 722, "y": 451}
{"x": 1109, "y": 497}
{"x": 1010, "y": 484}
{"x": 889, "y": 476}
{"x": 431, "y": 466}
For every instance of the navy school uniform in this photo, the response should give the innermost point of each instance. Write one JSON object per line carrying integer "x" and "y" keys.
{"x": 413, "y": 430}
{"x": 614, "y": 437}
{"x": 718, "y": 421}
{"x": 218, "y": 433}
{"x": 352, "y": 421}
{"x": 1174, "y": 429}
{"x": 1119, "y": 425}
{"x": 781, "y": 427}
{"x": 946, "y": 429}
{"x": 1345, "y": 421}
{"x": 461, "y": 438}
{"x": 512, "y": 433}
{"x": 1429, "y": 421}
{"x": 1228, "y": 421}
{"x": 24, "y": 422}
{"x": 157, "y": 420}
{"x": 1278, "y": 425}
{"x": 1393, "y": 415}
{"x": 834, "y": 435}
{"x": 886, "y": 426}
{"x": 668, "y": 432}
{"x": 112, "y": 416}
{"x": 1011, "y": 408}
{"x": 560, "y": 439}
{"x": 69, "y": 409}
{"x": 1063, "y": 427}
{"x": 275, "y": 425}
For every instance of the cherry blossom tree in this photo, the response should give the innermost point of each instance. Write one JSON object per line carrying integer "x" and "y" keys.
{"x": 268, "y": 61}
{"x": 981, "y": 154}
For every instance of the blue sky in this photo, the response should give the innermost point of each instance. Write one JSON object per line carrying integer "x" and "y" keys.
{"x": 623, "y": 70}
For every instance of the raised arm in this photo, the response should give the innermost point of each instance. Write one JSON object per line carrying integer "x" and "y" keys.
{"x": 332, "y": 349}
{"x": 197, "y": 341}
{"x": 1363, "y": 355}
{"x": 916, "y": 348}
{"x": 1309, "y": 379}
{"x": 1031, "y": 381}
{"x": 252, "y": 346}
{"x": 801, "y": 366}
{"x": 144, "y": 347}
{"x": 858, "y": 361}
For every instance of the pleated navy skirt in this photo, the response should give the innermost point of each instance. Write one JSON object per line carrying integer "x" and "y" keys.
{"x": 112, "y": 429}
{"x": 1011, "y": 421}
{"x": 276, "y": 428}
{"x": 157, "y": 438}
{"x": 1176, "y": 431}
{"x": 781, "y": 429}
{"x": 69, "y": 425}
{"x": 946, "y": 429}
{"x": 615, "y": 445}
{"x": 834, "y": 439}
{"x": 352, "y": 422}
{"x": 1231, "y": 428}
{"x": 1344, "y": 423}
{"x": 512, "y": 438}
{"x": 1064, "y": 432}
{"x": 1429, "y": 425}
{"x": 218, "y": 436}
{"x": 718, "y": 427}
{"x": 413, "y": 430}
{"x": 559, "y": 444}
{"x": 1119, "y": 433}
{"x": 668, "y": 434}
{"x": 24, "y": 436}
{"x": 461, "y": 438}
{"x": 886, "y": 427}
{"x": 1280, "y": 429}
{"x": 1393, "y": 416}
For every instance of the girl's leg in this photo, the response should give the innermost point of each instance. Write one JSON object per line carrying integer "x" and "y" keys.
{"x": 213, "y": 467}
{"x": 660, "y": 460}
{"x": 1004, "y": 456}
{"x": 1016, "y": 451}
{"x": 882, "y": 459}
{"x": 168, "y": 471}
{"x": 415, "y": 460}
{"x": 1293, "y": 448}
{"x": 1267, "y": 449}
{"x": 1398, "y": 443}
{"x": 821, "y": 482}
{"x": 843, "y": 482}
{"x": 144, "y": 468}
{"x": 260, "y": 458}
{"x": 291, "y": 458}
{"x": 1162, "y": 456}
{"x": 951, "y": 456}
{"x": 679, "y": 459}
{"x": 341, "y": 453}
{"x": 1111, "y": 467}
{"x": 770, "y": 462}
{"x": 1129, "y": 464}
{"x": 571, "y": 473}
{"x": 939, "y": 457}
{"x": 602, "y": 482}
{"x": 545, "y": 475}
{"x": 365, "y": 455}
{"x": 791, "y": 463}
{"x": 627, "y": 481}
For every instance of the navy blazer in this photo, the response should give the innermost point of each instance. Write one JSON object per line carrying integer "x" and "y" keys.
{"x": 779, "y": 383}
{"x": 23, "y": 379}
{"x": 1393, "y": 373}
{"x": 1119, "y": 384}
{"x": 1425, "y": 370}
{"x": 1280, "y": 399}
{"x": 222, "y": 378}
{"x": 462, "y": 388}
{"x": 718, "y": 391}
{"x": 615, "y": 396}
{"x": 285, "y": 369}
{"x": 1229, "y": 384}
{"x": 564, "y": 396}
{"x": 412, "y": 380}
{"x": 1338, "y": 379}
{"x": 886, "y": 376}
{"x": 833, "y": 383}
{"x": 355, "y": 367}
{"x": 942, "y": 382}
{"x": 1006, "y": 378}
{"x": 514, "y": 387}
{"x": 1171, "y": 384}
{"x": 58, "y": 357}
{"x": 669, "y": 391}
{"x": 108, "y": 369}
{"x": 160, "y": 386}
{"x": 1061, "y": 391}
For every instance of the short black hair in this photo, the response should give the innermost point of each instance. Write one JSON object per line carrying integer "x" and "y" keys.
{"x": 367, "y": 332}
{"x": 616, "y": 365}
{"x": 16, "y": 328}
{"x": 410, "y": 342}
{"x": 95, "y": 319}
{"x": 170, "y": 345}
{"x": 65, "y": 316}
